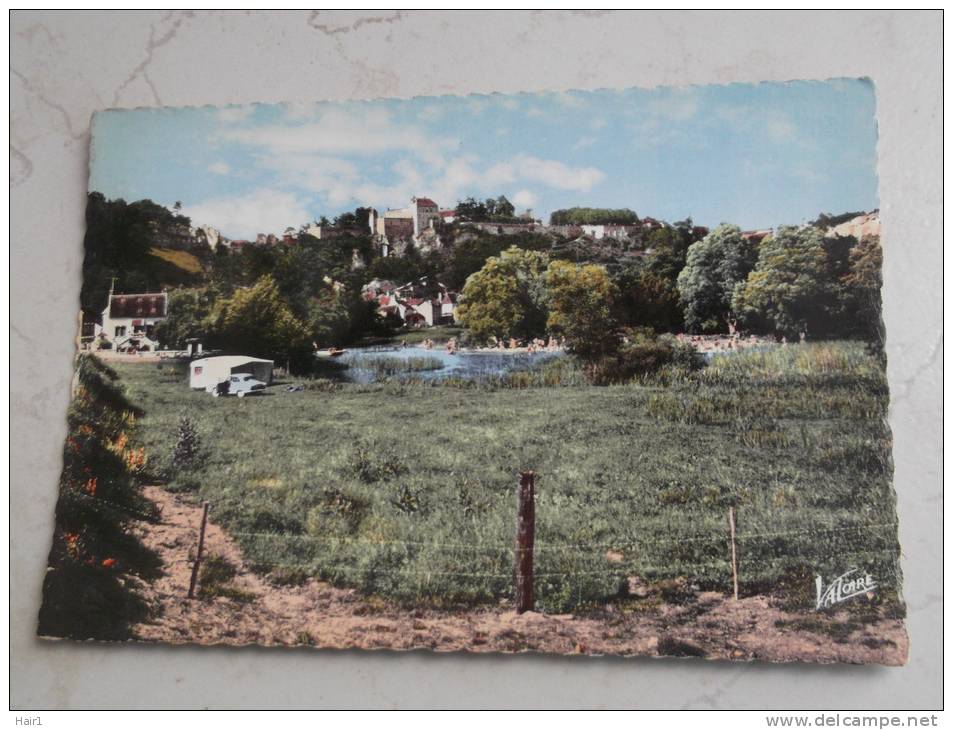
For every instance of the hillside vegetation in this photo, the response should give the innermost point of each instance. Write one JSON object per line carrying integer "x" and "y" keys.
{"x": 184, "y": 260}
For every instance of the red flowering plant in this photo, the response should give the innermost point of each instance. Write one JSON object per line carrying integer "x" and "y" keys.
{"x": 99, "y": 496}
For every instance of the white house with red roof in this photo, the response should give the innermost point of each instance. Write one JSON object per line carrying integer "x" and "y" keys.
{"x": 129, "y": 320}
{"x": 412, "y": 303}
{"x": 426, "y": 311}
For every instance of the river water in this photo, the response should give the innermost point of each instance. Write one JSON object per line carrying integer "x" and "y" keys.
{"x": 466, "y": 364}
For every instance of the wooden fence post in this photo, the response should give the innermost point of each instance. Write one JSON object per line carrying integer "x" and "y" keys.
{"x": 525, "y": 536}
{"x": 198, "y": 554}
{"x": 734, "y": 550}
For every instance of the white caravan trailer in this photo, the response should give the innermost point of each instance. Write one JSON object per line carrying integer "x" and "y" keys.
{"x": 210, "y": 371}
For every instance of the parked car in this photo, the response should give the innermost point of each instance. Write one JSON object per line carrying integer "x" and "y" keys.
{"x": 241, "y": 385}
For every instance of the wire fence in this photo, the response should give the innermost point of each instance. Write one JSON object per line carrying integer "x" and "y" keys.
{"x": 569, "y": 546}
{"x": 614, "y": 557}
{"x": 343, "y": 569}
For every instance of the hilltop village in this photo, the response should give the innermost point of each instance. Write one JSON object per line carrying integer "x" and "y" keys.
{"x": 372, "y": 271}
{"x": 423, "y": 222}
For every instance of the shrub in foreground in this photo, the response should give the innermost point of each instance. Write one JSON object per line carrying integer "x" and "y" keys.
{"x": 84, "y": 593}
{"x": 642, "y": 355}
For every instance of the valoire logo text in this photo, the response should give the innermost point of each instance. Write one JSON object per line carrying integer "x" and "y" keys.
{"x": 843, "y": 587}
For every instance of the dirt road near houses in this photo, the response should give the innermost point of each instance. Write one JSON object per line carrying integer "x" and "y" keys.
{"x": 253, "y": 610}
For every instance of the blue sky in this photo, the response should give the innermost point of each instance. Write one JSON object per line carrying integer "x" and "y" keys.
{"x": 757, "y": 155}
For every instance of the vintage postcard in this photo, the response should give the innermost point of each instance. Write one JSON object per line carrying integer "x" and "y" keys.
{"x": 580, "y": 372}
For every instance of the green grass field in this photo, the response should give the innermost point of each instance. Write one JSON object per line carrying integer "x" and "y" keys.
{"x": 409, "y": 491}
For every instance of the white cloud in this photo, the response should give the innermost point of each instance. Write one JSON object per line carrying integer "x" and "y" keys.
{"x": 364, "y": 156}
{"x": 557, "y": 174}
{"x": 733, "y": 113}
{"x": 569, "y": 100}
{"x": 583, "y": 142}
{"x": 524, "y": 199}
{"x": 675, "y": 105}
{"x": 664, "y": 119}
{"x": 553, "y": 173}
{"x": 299, "y": 111}
{"x": 431, "y": 112}
{"x": 342, "y": 182}
{"x": 781, "y": 129}
{"x": 477, "y": 104}
{"x": 805, "y": 170}
{"x": 244, "y": 216}
{"x": 219, "y": 168}
{"x": 234, "y": 114}
{"x": 338, "y": 131}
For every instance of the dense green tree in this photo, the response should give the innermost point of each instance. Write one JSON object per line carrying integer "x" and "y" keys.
{"x": 504, "y": 208}
{"x": 789, "y": 290}
{"x": 232, "y": 270}
{"x": 257, "y": 321}
{"x": 506, "y": 298}
{"x": 362, "y": 216}
{"x": 668, "y": 248}
{"x": 412, "y": 266}
{"x": 358, "y": 218}
{"x": 118, "y": 242}
{"x": 714, "y": 266}
{"x": 646, "y": 299}
{"x": 188, "y": 311}
{"x": 862, "y": 285}
{"x": 842, "y": 314}
{"x": 340, "y": 316}
{"x": 346, "y": 220}
{"x": 471, "y": 209}
{"x": 329, "y": 319}
{"x": 593, "y": 216}
{"x": 581, "y": 302}
{"x": 499, "y": 210}
{"x": 469, "y": 252}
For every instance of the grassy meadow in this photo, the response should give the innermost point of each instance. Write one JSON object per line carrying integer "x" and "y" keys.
{"x": 408, "y": 490}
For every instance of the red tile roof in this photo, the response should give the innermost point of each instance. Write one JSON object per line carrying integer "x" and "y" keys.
{"x": 427, "y": 202}
{"x": 137, "y": 305}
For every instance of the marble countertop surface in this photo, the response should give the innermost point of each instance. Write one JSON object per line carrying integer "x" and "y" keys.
{"x": 67, "y": 65}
